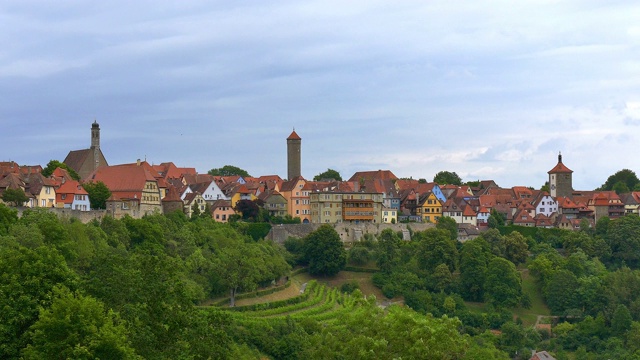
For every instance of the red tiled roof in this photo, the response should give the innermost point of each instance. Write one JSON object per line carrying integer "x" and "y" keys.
{"x": 127, "y": 179}
{"x": 373, "y": 175}
{"x": 294, "y": 136}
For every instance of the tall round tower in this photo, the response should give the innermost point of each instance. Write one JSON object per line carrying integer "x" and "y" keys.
{"x": 294, "y": 145}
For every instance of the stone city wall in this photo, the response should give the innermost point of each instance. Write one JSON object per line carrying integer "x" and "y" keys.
{"x": 348, "y": 232}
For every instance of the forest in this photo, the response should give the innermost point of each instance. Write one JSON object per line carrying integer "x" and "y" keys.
{"x": 166, "y": 287}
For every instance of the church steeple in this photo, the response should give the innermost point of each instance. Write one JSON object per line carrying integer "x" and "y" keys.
{"x": 95, "y": 135}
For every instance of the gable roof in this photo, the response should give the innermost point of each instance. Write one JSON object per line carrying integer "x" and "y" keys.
{"x": 373, "y": 175}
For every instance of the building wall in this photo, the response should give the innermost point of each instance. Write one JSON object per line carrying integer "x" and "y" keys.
{"x": 348, "y": 232}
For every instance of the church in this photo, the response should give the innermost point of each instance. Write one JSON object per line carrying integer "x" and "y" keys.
{"x": 85, "y": 161}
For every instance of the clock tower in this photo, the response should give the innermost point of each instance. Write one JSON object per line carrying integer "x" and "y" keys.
{"x": 560, "y": 180}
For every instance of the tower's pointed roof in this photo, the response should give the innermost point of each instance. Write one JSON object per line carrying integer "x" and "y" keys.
{"x": 560, "y": 167}
{"x": 294, "y": 136}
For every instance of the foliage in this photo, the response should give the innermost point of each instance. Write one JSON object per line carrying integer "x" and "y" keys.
{"x": 435, "y": 247}
{"x": 447, "y": 178}
{"x": 474, "y": 258}
{"x": 503, "y": 285}
{"x": 495, "y": 219}
{"x": 623, "y": 237}
{"x": 449, "y": 224}
{"x": 387, "y": 250}
{"x": 329, "y": 174}
{"x": 324, "y": 251}
{"x": 359, "y": 255}
{"x": 622, "y": 179}
{"x": 249, "y": 209}
{"x": 52, "y": 165}
{"x": 27, "y": 279}
{"x": 229, "y": 170}
{"x": 99, "y": 193}
{"x": 8, "y": 217}
{"x": 77, "y": 327}
{"x": 17, "y": 197}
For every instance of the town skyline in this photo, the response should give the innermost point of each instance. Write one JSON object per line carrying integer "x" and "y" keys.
{"x": 484, "y": 90}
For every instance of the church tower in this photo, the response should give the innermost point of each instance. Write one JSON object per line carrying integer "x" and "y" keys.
{"x": 294, "y": 144}
{"x": 560, "y": 180}
{"x": 95, "y": 135}
{"x": 95, "y": 144}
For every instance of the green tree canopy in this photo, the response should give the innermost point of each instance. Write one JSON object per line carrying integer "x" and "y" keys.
{"x": 329, "y": 174}
{"x": 447, "y": 178}
{"x": 54, "y": 164}
{"x": 78, "y": 327}
{"x": 229, "y": 170}
{"x": 17, "y": 197}
{"x": 435, "y": 247}
{"x": 99, "y": 193}
{"x": 324, "y": 251}
{"x": 625, "y": 177}
{"x": 503, "y": 285}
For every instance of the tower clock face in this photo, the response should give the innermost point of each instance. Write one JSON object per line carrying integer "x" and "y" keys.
{"x": 553, "y": 187}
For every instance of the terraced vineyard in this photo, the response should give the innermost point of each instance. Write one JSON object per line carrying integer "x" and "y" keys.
{"x": 317, "y": 302}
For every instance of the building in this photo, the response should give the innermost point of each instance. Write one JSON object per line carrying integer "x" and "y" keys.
{"x": 294, "y": 145}
{"x": 134, "y": 189}
{"x": 345, "y": 206}
{"x": 86, "y": 161}
{"x": 71, "y": 195}
{"x": 560, "y": 180}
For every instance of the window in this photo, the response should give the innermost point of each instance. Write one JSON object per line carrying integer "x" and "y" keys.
{"x": 44, "y": 203}
{"x": 47, "y": 190}
{"x": 297, "y": 212}
{"x": 63, "y": 196}
{"x": 297, "y": 202}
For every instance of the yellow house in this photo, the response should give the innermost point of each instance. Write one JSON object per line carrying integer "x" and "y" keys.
{"x": 237, "y": 192}
{"x": 429, "y": 207}
{"x": 42, "y": 189}
{"x": 389, "y": 216}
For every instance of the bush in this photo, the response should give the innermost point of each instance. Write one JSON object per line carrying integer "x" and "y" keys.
{"x": 349, "y": 287}
{"x": 359, "y": 255}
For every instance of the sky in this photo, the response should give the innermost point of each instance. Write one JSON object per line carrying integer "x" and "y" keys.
{"x": 486, "y": 89}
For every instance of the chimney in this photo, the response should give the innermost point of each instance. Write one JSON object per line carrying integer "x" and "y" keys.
{"x": 138, "y": 162}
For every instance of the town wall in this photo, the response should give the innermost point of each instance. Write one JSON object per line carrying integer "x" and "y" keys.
{"x": 348, "y": 232}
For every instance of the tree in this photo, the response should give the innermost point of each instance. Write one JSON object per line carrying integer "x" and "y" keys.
{"x": 15, "y": 196}
{"x": 623, "y": 236}
{"x": 8, "y": 217}
{"x": 248, "y": 208}
{"x": 515, "y": 246}
{"x": 625, "y": 177}
{"x": 447, "y": 178}
{"x": 325, "y": 251}
{"x": 621, "y": 321}
{"x": 495, "y": 219}
{"x": 229, "y": 170}
{"x": 561, "y": 292}
{"x": 242, "y": 266}
{"x": 77, "y": 327}
{"x": 449, "y": 224}
{"x": 387, "y": 251}
{"x": 27, "y": 277}
{"x": 54, "y": 164}
{"x": 99, "y": 193}
{"x": 435, "y": 247}
{"x": 503, "y": 285}
{"x": 474, "y": 259}
{"x": 329, "y": 174}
